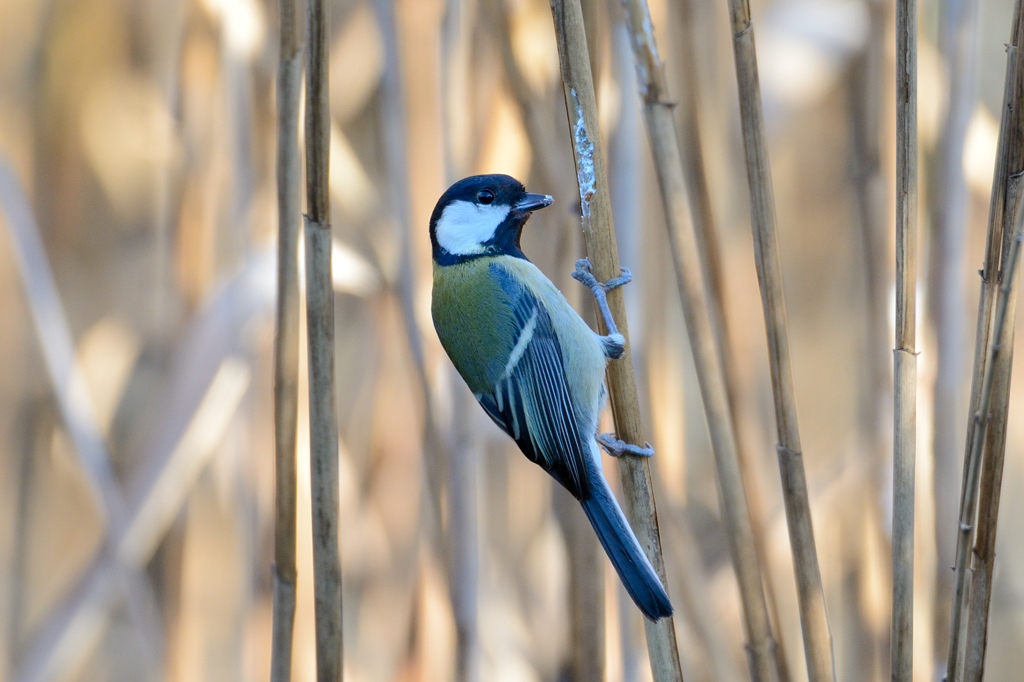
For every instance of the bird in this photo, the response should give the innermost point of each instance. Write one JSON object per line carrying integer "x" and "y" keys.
{"x": 531, "y": 361}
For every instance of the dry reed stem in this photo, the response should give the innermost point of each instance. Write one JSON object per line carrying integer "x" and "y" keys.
{"x": 286, "y": 339}
{"x": 813, "y": 617}
{"x": 707, "y": 351}
{"x": 995, "y": 417}
{"x": 992, "y": 425}
{"x": 985, "y": 419}
{"x": 323, "y": 420}
{"x": 1001, "y": 362}
{"x": 599, "y": 236}
{"x": 905, "y": 355}
{"x": 1008, "y": 158}
{"x": 695, "y": 174}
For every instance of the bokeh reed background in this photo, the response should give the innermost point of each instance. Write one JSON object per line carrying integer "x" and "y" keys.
{"x": 137, "y": 281}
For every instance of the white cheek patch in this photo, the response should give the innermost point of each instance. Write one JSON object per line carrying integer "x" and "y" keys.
{"x": 463, "y": 226}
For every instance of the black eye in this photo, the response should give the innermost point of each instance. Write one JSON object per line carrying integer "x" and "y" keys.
{"x": 485, "y": 196}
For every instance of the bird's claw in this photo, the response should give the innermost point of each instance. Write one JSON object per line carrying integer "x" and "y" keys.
{"x": 584, "y": 275}
{"x": 617, "y": 448}
{"x": 625, "y": 277}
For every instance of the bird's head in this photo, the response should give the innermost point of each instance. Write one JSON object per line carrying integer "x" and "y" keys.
{"x": 482, "y": 215}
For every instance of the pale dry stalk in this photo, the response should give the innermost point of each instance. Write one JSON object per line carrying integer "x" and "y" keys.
{"x": 1009, "y": 154}
{"x": 691, "y": 282}
{"x": 813, "y": 616}
{"x": 323, "y": 419}
{"x": 599, "y": 237}
{"x": 286, "y": 339}
{"x": 905, "y": 355}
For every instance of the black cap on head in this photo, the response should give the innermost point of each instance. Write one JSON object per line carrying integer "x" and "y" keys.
{"x": 489, "y": 190}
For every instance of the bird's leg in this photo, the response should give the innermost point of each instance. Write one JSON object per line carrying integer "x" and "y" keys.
{"x": 617, "y": 448}
{"x": 614, "y": 342}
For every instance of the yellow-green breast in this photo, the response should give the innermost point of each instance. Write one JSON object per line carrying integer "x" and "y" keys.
{"x": 474, "y": 321}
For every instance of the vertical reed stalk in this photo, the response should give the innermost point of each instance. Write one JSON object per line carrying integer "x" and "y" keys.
{"x": 323, "y": 419}
{"x": 813, "y": 617}
{"x": 599, "y": 236}
{"x": 692, "y": 281}
{"x": 286, "y": 339}
{"x": 905, "y": 355}
{"x": 990, "y": 431}
{"x": 1009, "y": 154}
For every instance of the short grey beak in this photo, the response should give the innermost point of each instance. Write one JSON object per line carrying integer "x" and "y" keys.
{"x": 533, "y": 202}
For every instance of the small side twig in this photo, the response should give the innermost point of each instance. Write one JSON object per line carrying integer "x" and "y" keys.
{"x": 599, "y": 236}
{"x": 286, "y": 340}
{"x": 323, "y": 418}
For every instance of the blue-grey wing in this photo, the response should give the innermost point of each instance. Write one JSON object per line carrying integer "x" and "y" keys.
{"x": 531, "y": 401}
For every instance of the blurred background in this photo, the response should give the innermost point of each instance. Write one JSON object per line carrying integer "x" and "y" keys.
{"x": 137, "y": 270}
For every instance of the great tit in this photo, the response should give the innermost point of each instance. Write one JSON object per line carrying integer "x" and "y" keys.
{"x": 533, "y": 364}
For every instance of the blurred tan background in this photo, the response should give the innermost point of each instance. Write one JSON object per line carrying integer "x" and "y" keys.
{"x": 137, "y": 238}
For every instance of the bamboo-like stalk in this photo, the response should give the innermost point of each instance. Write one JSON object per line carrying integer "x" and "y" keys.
{"x": 1008, "y": 157}
{"x": 813, "y": 617}
{"x": 286, "y": 339}
{"x": 905, "y": 355}
{"x": 692, "y": 281}
{"x": 599, "y": 236}
{"x": 323, "y": 418}
{"x": 990, "y": 432}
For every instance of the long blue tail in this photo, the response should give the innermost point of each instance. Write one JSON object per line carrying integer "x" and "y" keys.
{"x": 626, "y": 554}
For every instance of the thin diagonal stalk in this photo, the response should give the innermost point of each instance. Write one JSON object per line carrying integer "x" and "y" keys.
{"x": 990, "y": 432}
{"x": 1001, "y": 364}
{"x": 323, "y": 418}
{"x": 286, "y": 339}
{"x": 691, "y": 280}
{"x": 599, "y": 236}
{"x": 813, "y": 616}
{"x": 1008, "y": 157}
{"x": 905, "y": 355}
{"x": 695, "y": 174}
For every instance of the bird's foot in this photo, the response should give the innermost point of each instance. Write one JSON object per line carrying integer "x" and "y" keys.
{"x": 585, "y": 276}
{"x": 617, "y": 448}
{"x": 614, "y": 343}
